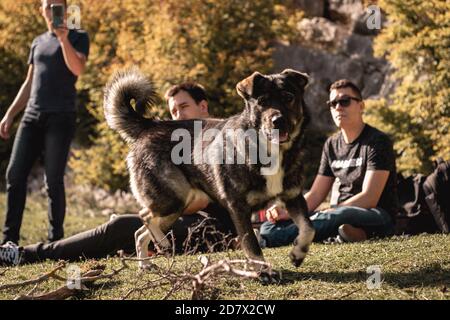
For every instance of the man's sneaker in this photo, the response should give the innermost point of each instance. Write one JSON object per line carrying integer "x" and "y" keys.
{"x": 9, "y": 254}
{"x": 350, "y": 233}
{"x": 334, "y": 240}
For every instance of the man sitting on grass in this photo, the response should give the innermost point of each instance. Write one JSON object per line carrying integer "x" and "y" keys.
{"x": 360, "y": 161}
{"x": 211, "y": 229}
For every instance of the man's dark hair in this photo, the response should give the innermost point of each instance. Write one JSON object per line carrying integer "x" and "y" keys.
{"x": 65, "y": 3}
{"x": 196, "y": 91}
{"x": 344, "y": 83}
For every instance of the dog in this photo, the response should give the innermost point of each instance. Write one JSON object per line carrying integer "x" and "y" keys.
{"x": 273, "y": 103}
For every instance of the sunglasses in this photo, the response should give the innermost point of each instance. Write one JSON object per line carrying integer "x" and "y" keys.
{"x": 345, "y": 101}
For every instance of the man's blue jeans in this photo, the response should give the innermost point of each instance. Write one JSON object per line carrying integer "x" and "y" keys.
{"x": 376, "y": 222}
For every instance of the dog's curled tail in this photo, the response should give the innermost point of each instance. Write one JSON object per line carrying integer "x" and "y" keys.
{"x": 125, "y": 86}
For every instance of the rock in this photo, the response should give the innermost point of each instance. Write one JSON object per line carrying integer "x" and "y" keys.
{"x": 317, "y": 29}
{"x": 314, "y": 8}
{"x": 389, "y": 84}
{"x": 345, "y": 11}
{"x": 335, "y": 46}
{"x": 324, "y": 68}
{"x": 370, "y": 22}
{"x": 320, "y": 33}
{"x": 372, "y": 84}
{"x": 359, "y": 45}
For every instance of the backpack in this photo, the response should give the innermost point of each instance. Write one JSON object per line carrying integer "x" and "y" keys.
{"x": 437, "y": 194}
{"x": 424, "y": 201}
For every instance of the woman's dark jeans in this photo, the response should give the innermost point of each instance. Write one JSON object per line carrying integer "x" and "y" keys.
{"x": 39, "y": 134}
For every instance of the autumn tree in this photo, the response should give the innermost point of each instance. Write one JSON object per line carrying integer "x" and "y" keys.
{"x": 16, "y": 35}
{"x": 416, "y": 42}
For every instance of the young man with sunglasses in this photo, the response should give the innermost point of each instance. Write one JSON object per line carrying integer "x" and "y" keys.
{"x": 358, "y": 163}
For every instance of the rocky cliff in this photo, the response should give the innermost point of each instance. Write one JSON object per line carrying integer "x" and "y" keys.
{"x": 335, "y": 41}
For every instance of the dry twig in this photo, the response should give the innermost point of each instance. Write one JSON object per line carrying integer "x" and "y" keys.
{"x": 65, "y": 291}
{"x": 207, "y": 277}
{"x": 45, "y": 277}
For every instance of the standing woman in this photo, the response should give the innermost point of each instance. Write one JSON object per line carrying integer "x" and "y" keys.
{"x": 57, "y": 58}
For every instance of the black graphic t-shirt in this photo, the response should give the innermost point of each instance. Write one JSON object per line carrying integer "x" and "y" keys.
{"x": 348, "y": 163}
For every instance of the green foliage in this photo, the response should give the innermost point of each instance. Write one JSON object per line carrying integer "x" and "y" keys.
{"x": 14, "y": 52}
{"x": 103, "y": 163}
{"x": 416, "y": 42}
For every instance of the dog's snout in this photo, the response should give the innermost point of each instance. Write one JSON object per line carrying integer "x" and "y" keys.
{"x": 279, "y": 122}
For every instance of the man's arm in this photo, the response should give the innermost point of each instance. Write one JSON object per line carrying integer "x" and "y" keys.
{"x": 17, "y": 106}
{"x": 75, "y": 61}
{"x": 319, "y": 191}
{"x": 373, "y": 186}
{"x": 314, "y": 197}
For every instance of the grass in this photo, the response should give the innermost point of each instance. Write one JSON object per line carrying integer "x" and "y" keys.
{"x": 411, "y": 268}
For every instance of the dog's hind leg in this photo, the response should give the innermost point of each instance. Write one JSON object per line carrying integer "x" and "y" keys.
{"x": 298, "y": 211}
{"x": 142, "y": 239}
{"x": 149, "y": 232}
{"x": 156, "y": 226}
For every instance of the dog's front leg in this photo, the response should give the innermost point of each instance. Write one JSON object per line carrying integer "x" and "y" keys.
{"x": 246, "y": 235}
{"x": 250, "y": 245}
{"x": 298, "y": 211}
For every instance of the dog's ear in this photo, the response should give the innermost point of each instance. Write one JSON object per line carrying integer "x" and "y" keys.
{"x": 297, "y": 78}
{"x": 245, "y": 88}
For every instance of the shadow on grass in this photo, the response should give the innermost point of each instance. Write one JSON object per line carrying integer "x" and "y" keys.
{"x": 94, "y": 288}
{"x": 430, "y": 276}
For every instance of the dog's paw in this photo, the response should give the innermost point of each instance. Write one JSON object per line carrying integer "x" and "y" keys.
{"x": 297, "y": 257}
{"x": 270, "y": 277}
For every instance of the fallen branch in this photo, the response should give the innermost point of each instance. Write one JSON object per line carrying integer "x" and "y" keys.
{"x": 64, "y": 292}
{"x": 45, "y": 277}
{"x": 207, "y": 277}
{"x": 67, "y": 290}
{"x": 252, "y": 270}
{"x": 61, "y": 293}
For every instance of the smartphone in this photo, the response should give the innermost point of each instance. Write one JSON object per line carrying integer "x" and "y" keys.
{"x": 57, "y": 15}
